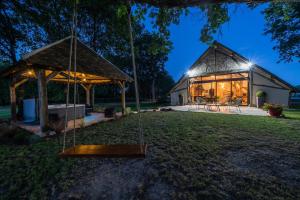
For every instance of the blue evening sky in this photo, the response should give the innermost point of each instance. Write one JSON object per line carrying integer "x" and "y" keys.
{"x": 243, "y": 34}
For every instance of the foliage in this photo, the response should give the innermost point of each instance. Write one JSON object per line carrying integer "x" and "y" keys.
{"x": 187, "y": 143}
{"x": 275, "y": 107}
{"x": 18, "y": 33}
{"x": 217, "y": 15}
{"x": 260, "y": 93}
{"x": 283, "y": 24}
{"x": 12, "y": 135}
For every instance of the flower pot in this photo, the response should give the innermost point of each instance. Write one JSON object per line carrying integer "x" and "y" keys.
{"x": 275, "y": 112}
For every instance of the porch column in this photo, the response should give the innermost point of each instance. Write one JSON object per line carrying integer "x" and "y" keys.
{"x": 13, "y": 100}
{"x": 123, "y": 98}
{"x": 43, "y": 99}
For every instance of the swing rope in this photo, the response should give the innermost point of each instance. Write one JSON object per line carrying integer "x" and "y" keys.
{"x": 73, "y": 44}
{"x": 69, "y": 72}
{"x": 137, "y": 97}
{"x": 75, "y": 76}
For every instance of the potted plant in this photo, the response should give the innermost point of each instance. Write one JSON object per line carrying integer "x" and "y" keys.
{"x": 260, "y": 98}
{"x": 273, "y": 109}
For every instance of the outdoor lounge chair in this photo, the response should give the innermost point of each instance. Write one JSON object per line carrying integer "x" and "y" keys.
{"x": 237, "y": 103}
{"x": 201, "y": 101}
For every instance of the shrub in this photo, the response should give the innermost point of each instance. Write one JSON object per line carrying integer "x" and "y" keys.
{"x": 32, "y": 139}
{"x": 273, "y": 109}
{"x": 260, "y": 93}
{"x": 21, "y": 138}
{"x": 10, "y": 134}
{"x": 266, "y": 106}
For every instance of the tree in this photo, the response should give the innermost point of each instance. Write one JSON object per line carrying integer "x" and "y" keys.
{"x": 283, "y": 23}
{"x": 13, "y": 34}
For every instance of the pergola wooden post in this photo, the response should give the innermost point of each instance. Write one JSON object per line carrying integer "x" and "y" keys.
{"x": 13, "y": 104}
{"x": 123, "y": 98}
{"x": 87, "y": 89}
{"x": 93, "y": 96}
{"x": 43, "y": 99}
{"x": 13, "y": 97}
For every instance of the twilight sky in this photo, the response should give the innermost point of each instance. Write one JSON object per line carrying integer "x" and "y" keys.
{"x": 243, "y": 34}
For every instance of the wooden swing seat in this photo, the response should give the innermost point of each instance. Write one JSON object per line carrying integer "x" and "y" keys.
{"x": 106, "y": 151}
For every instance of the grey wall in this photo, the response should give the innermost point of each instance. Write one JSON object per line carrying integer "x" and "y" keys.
{"x": 275, "y": 93}
{"x": 181, "y": 89}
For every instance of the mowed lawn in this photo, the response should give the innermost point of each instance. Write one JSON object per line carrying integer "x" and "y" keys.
{"x": 4, "y": 112}
{"x": 190, "y": 156}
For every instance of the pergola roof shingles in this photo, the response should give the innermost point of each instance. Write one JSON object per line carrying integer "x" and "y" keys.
{"x": 55, "y": 57}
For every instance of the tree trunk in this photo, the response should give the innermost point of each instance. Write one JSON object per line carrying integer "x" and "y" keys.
{"x": 123, "y": 98}
{"x": 153, "y": 91}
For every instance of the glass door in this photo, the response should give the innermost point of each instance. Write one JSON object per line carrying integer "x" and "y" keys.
{"x": 224, "y": 91}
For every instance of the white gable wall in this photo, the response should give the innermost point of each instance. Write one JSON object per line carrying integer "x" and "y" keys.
{"x": 276, "y": 94}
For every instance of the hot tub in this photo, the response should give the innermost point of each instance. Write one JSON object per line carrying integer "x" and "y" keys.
{"x": 60, "y": 110}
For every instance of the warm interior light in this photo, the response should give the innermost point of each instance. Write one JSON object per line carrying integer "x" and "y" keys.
{"x": 84, "y": 79}
{"x": 222, "y": 85}
{"x": 83, "y": 75}
{"x": 29, "y": 73}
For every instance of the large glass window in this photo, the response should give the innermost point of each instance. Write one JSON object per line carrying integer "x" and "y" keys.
{"x": 240, "y": 90}
{"x": 224, "y": 88}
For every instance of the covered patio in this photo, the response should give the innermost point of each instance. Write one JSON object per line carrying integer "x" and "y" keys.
{"x": 51, "y": 63}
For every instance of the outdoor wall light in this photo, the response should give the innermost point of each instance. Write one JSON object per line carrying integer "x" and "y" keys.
{"x": 246, "y": 65}
{"x": 192, "y": 72}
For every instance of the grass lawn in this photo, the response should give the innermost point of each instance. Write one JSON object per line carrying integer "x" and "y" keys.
{"x": 190, "y": 156}
{"x": 4, "y": 112}
{"x": 292, "y": 114}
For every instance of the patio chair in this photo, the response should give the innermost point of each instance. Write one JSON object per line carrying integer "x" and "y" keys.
{"x": 237, "y": 103}
{"x": 228, "y": 102}
{"x": 201, "y": 101}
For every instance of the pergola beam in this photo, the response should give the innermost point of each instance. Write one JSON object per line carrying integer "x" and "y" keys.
{"x": 52, "y": 75}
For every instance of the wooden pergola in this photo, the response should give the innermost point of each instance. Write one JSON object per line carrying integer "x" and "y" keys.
{"x": 51, "y": 63}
